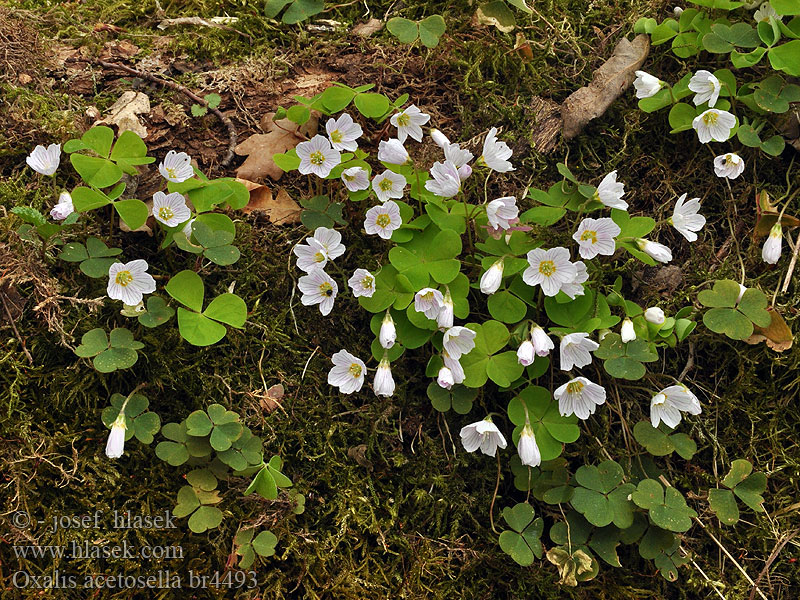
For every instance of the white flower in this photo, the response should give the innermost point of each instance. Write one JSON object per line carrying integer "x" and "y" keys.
{"x": 576, "y": 349}
{"x": 383, "y": 385}
{"x": 686, "y": 217}
{"x": 627, "y": 331}
{"x": 764, "y": 12}
{"x": 580, "y": 397}
{"x": 393, "y": 152}
{"x": 383, "y": 219}
{"x": 439, "y": 138}
{"x": 130, "y": 281}
{"x": 706, "y": 88}
{"x": 115, "y": 445}
{"x": 525, "y": 353}
{"x": 484, "y": 435}
{"x": 176, "y": 167}
{"x": 655, "y": 250}
{"x": 187, "y": 228}
{"x": 347, "y": 372}
{"x": 646, "y": 85}
{"x": 728, "y": 165}
{"x": 429, "y": 301}
{"x": 170, "y": 209}
{"x": 668, "y": 404}
{"x": 677, "y": 11}
{"x": 458, "y": 156}
{"x": 444, "y": 319}
{"x": 542, "y": 344}
{"x": 388, "y": 185}
{"x": 714, "y": 125}
{"x": 496, "y": 154}
{"x": 64, "y": 208}
{"x": 655, "y": 315}
{"x": 311, "y": 255}
{"x": 318, "y": 288}
{"x": 355, "y": 179}
{"x": 45, "y": 160}
{"x": 408, "y": 123}
{"x": 527, "y": 448}
{"x": 596, "y": 236}
{"x": 575, "y": 287}
{"x": 492, "y": 278}
{"x": 503, "y": 212}
{"x": 610, "y": 192}
{"x": 549, "y": 268}
{"x": 317, "y": 156}
{"x": 454, "y": 366}
{"x": 343, "y": 132}
{"x": 771, "y": 251}
{"x": 458, "y": 341}
{"x": 446, "y": 181}
{"x": 330, "y": 240}
{"x": 362, "y": 283}
{"x": 464, "y": 171}
{"x": 445, "y": 378}
{"x": 388, "y": 333}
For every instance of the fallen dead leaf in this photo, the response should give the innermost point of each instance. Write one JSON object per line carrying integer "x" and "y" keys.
{"x": 280, "y": 209}
{"x": 281, "y": 136}
{"x": 273, "y": 398}
{"x": 777, "y": 335}
{"x": 768, "y": 216}
{"x": 125, "y": 110}
{"x": 367, "y": 29}
{"x": 24, "y": 78}
{"x": 609, "y": 82}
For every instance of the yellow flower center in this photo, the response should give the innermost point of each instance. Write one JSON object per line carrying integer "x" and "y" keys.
{"x": 383, "y": 220}
{"x": 547, "y": 268}
{"x": 367, "y": 282}
{"x": 710, "y": 118}
{"x": 731, "y": 160}
{"x": 317, "y": 158}
{"x": 166, "y": 213}
{"x": 385, "y": 184}
{"x": 336, "y": 136}
{"x": 347, "y": 177}
{"x": 170, "y": 171}
{"x": 123, "y": 278}
{"x": 319, "y": 257}
{"x": 589, "y": 235}
{"x": 575, "y": 387}
{"x": 355, "y": 370}
{"x": 403, "y": 120}
{"x": 326, "y": 289}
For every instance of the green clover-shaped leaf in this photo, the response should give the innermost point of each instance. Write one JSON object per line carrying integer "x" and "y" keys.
{"x": 522, "y": 543}
{"x": 601, "y": 498}
{"x": 117, "y": 351}
{"x": 550, "y": 428}
{"x": 157, "y": 312}
{"x": 667, "y": 507}
{"x": 658, "y": 441}
{"x": 139, "y": 421}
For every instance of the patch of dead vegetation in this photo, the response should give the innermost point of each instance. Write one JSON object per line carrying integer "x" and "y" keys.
{"x": 21, "y": 51}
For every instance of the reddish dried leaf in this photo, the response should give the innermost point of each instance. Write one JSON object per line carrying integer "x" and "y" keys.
{"x": 777, "y": 335}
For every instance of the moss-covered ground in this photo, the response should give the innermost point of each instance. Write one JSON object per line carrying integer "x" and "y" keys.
{"x": 395, "y": 508}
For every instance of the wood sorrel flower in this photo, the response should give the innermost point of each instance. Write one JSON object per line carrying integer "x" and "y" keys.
{"x": 347, "y": 372}
{"x": 176, "y": 167}
{"x": 129, "y": 282}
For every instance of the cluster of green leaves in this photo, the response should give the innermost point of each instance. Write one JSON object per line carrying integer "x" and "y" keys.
{"x": 248, "y": 547}
{"x": 428, "y": 30}
{"x": 742, "y": 483}
{"x": 217, "y": 446}
{"x": 697, "y": 30}
{"x": 95, "y": 257}
{"x": 730, "y": 315}
{"x": 212, "y": 101}
{"x": 296, "y": 10}
{"x": 109, "y": 352}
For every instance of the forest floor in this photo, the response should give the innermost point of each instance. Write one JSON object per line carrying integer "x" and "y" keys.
{"x": 395, "y": 508}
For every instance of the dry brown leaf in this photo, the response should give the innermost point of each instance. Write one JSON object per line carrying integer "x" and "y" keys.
{"x": 609, "y": 82}
{"x": 367, "y": 29}
{"x": 777, "y": 335}
{"x": 280, "y": 209}
{"x": 273, "y": 398}
{"x": 124, "y": 113}
{"x": 768, "y": 216}
{"x": 281, "y": 136}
